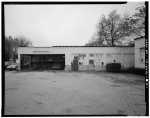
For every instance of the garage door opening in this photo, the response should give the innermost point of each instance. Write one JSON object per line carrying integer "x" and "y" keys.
{"x": 42, "y": 62}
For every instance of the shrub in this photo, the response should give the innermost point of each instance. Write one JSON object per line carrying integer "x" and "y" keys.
{"x": 113, "y": 67}
{"x": 137, "y": 71}
{"x": 128, "y": 70}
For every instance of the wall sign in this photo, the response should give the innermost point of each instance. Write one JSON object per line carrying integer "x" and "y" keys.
{"x": 40, "y": 51}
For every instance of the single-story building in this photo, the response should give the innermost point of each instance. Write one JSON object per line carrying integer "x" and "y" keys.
{"x": 139, "y": 52}
{"x": 74, "y": 57}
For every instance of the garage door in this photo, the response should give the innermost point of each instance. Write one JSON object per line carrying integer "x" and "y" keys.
{"x": 38, "y": 62}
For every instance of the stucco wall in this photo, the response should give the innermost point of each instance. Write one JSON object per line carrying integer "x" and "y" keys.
{"x": 139, "y": 43}
{"x": 125, "y": 55}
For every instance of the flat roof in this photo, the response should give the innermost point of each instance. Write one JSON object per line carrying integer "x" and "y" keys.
{"x": 92, "y": 46}
{"x": 78, "y": 46}
{"x": 141, "y": 37}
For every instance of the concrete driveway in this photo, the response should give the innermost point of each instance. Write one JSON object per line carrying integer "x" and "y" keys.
{"x": 74, "y": 93}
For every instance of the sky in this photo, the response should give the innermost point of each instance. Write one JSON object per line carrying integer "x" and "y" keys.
{"x": 59, "y": 25}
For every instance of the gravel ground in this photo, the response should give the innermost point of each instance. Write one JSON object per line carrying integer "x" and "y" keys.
{"x": 74, "y": 93}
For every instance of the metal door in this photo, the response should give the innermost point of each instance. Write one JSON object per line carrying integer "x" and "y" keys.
{"x": 74, "y": 64}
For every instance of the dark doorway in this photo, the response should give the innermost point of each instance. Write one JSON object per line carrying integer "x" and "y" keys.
{"x": 74, "y": 64}
{"x": 42, "y": 61}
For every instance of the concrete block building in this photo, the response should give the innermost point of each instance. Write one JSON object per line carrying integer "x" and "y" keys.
{"x": 140, "y": 53}
{"x": 74, "y": 58}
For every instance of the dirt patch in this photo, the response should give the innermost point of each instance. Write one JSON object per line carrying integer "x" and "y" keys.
{"x": 11, "y": 89}
{"x": 116, "y": 85}
{"x": 45, "y": 79}
{"x": 140, "y": 81}
{"x": 120, "y": 112}
{"x": 126, "y": 80}
{"x": 39, "y": 103}
{"x": 68, "y": 110}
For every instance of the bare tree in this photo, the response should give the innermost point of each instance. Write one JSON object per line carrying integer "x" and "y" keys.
{"x": 94, "y": 42}
{"x": 113, "y": 29}
{"x": 21, "y": 41}
{"x": 12, "y": 44}
{"x": 138, "y": 22}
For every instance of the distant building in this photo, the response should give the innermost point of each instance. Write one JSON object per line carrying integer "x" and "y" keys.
{"x": 140, "y": 53}
{"x": 76, "y": 58}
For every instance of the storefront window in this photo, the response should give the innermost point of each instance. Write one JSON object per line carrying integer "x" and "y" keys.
{"x": 91, "y": 62}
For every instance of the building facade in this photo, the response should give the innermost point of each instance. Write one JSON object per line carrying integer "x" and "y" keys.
{"x": 74, "y": 58}
{"x": 140, "y": 53}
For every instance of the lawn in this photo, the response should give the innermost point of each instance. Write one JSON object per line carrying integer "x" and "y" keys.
{"x": 74, "y": 93}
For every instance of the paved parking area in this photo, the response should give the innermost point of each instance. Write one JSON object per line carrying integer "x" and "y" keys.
{"x": 74, "y": 93}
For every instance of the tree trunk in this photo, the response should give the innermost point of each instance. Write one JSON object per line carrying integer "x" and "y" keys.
{"x": 112, "y": 42}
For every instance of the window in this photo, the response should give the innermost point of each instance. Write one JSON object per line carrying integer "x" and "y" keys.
{"x": 82, "y": 56}
{"x": 96, "y": 55}
{"x": 142, "y": 55}
{"x": 100, "y": 55}
{"x": 108, "y": 55}
{"x": 91, "y": 55}
{"x": 91, "y": 62}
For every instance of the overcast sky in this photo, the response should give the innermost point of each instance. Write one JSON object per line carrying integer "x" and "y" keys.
{"x": 51, "y": 25}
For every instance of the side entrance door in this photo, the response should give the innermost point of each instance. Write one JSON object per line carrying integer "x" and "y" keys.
{"x": 91, "y": 65}
{"x": 74, "y": 64}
